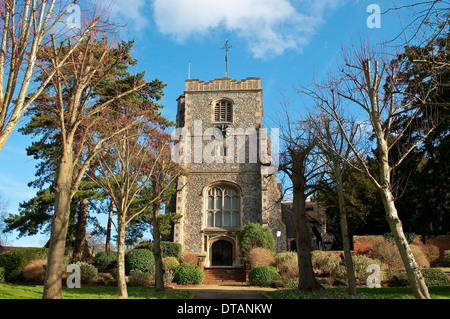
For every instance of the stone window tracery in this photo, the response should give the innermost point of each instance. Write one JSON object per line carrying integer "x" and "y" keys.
{"x": 222, "y": 207}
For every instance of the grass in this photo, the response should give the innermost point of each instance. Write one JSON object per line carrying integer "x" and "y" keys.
{"x": 436, "y": 292}
{"x": 11, "y": 291}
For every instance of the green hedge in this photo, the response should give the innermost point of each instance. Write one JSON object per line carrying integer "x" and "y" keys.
{"x": 13, "y": 261}
{"x": 168, "y": 249}
{"x": 263, "y": 276}
{"x": 187, "y": 274}
{"x": 360, "y": 265}
{"x": 105, "y": 260}
{"x": 255, "y": 235}
{"x": 2, "y": 274}
{"x": 447, "y": 258}
{"x": 410, "y": 237}
{"x": 140, "y": 258}
{"x": 88, "y": 272}
{"x": 432, "y": 276}
{"x": 141, "y": 278}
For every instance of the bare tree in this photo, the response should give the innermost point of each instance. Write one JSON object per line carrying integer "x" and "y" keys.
{"x": 428, "y": 20}
{"x": 368, "y": 82}
{"x": 71, "y": 107}
{"x": 299, "y": 161}
{"x": 108, "y": 226}
{"x": 26, "y": 28}
{"x": 334, "y": 148}
{"x": 129, "y": 166}
{"x": 163, "y": 181}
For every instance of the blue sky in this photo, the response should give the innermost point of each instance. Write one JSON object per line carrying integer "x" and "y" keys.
{"x": 284, "y": 42}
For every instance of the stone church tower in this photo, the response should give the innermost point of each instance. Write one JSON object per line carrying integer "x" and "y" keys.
{"x": 227, "y": 181}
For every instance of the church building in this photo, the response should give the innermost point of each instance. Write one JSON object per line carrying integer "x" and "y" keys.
{"x": 229, "y": 175}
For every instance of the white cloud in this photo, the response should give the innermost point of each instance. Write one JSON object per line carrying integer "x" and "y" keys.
{"x": 269, "y": 26}
{"x": 132, "y": 12}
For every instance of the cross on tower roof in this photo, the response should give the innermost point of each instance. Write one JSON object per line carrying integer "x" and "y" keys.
{"x": 227, "y": 48}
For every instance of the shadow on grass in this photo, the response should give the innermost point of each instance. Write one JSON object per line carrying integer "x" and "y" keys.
{"x": 11, "y": 291}
{"x": 437, "y": 292}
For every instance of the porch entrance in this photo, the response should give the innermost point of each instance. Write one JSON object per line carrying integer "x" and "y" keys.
{"x": 222, "y": 253}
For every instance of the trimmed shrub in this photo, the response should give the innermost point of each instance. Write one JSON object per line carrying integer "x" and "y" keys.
{"x": 138, "y": 277}
{"x": 34, "y": 272}
{"x": 106, "y": 260}
{"x": 432, "y": 276}
{"x": 286, "y": 255}
{"x": 138, "y": 259}
{"x": 171, "y": 249}
{"x": 263, "y": 276}
{"x": 400, "y": 279}
{"x": 387, "y": 252}
{"x": 324, "y": 262}
{"x": 169, "y": 263}
{"x": 255, "y": 235}
{"x": 435, "y": 277}
{"x": 88, "y": 272}
{"x": 168, "y": 248}
{"x": 339, "y": 274}
{"x": 13, "y": 261}
{"x": 432, "y": 253}
{"x": 287, "y": 263}
{"x": 187, "y": 274}
{"x": 168, "y": 276}
{"x": 115, "y": 274}
{"x": 360, "y": 265}
{"x": 2, "y": 274}
{"x": 261, "y": 257}
{"x": 446, "y": 258}
{"x": 420, "y": 256}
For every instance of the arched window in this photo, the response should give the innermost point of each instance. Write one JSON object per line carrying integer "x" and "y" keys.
{"x": 223, "y": 112}
{"x": 222, "y": 207}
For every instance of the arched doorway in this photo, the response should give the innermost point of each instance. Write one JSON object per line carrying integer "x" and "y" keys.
{"x": 222, "y": 253}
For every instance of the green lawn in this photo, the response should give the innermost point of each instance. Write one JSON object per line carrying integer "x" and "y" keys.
{"x": 437, "y": 292}
{"x": 10, "y": 291}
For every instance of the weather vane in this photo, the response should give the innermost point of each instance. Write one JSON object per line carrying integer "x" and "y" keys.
{"x": 227, "y": 48}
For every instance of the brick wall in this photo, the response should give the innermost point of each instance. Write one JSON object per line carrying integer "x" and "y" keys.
{"x": 363, "y": 244}
{"x": 442, "y": 242}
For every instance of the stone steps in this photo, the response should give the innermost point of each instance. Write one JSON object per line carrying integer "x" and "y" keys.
{"x": 224, "y": 275}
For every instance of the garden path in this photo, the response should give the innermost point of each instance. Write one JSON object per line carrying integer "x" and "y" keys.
{"x": 227, "y": 292}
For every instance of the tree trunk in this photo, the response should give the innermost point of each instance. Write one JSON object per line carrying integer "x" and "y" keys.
{"x": 416, "y": 280}
{"x": 122, "y": 283}
{"x": 415, "y": 277}
{"x": 108, "y": 229}
{"x": 159, "y": 278}
{"x": 346, "y": 239}
{"x": 79, "y": 247}
{"x": 63, "y": 197}
{"x": 307, "y": 280}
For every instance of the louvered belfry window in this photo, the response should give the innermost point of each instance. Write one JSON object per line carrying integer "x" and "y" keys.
{"x": 223, "y": 112}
